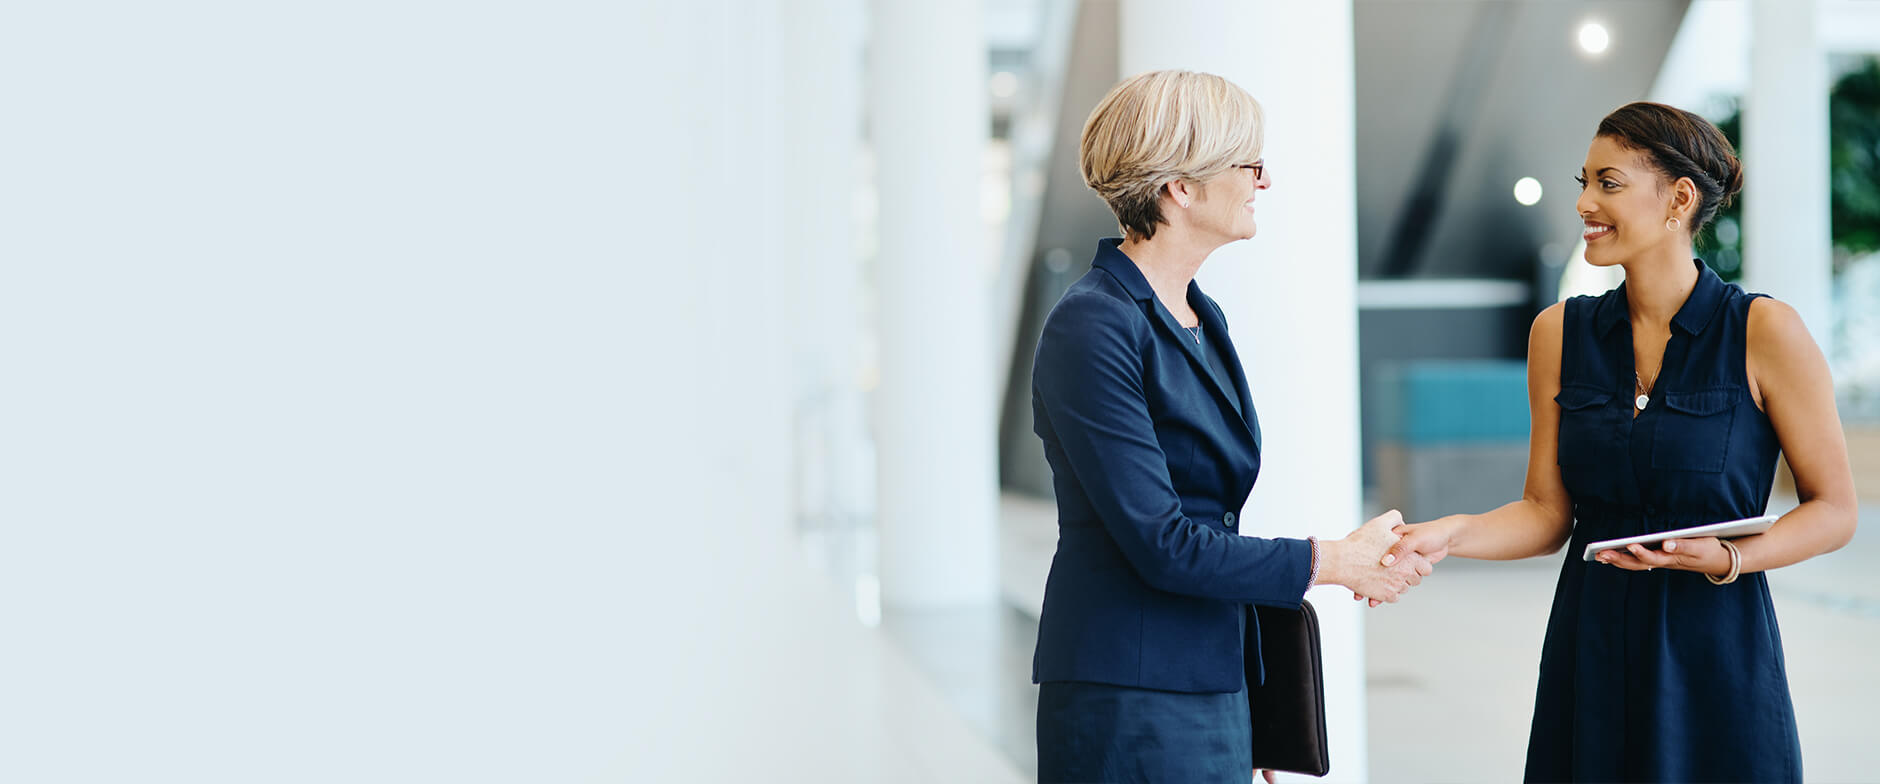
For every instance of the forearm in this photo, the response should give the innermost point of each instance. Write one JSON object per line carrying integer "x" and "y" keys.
{"x": 1522, "y": 529}
{"x": 1336, "y": 562}
{"x": 1815, "y": 527}
{"x": 1215, "y": 565}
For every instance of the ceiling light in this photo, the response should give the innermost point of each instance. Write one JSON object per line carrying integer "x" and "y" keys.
{"x": 1004, "y": 84}
{"x": 1527, "y": 190}
{"x": 1594, "y": 38}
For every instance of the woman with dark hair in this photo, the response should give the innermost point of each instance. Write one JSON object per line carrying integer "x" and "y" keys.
{"x": 1661, "y": 405}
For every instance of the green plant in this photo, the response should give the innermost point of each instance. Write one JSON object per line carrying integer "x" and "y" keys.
{"x": 1722, "y": 240}
{"x": 1853, "y": 175}
{"x": 1854, "y": 159}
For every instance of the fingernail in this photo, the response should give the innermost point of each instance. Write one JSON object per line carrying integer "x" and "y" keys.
{"x": 1671, "y": 547}
{"x": 1389, "y": 559}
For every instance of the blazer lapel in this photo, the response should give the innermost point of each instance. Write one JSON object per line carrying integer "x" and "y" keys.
{"x": 1214, "y": 328}
{"x": 1114, "y": 261}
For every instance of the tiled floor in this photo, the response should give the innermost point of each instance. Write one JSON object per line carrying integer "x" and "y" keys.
{"x": 979, "y": 658}
{"x": 1450, "y": 670}
{"x": 1452, "y": 667}
{"x": 981, "y": 661}
{"x": 769, "y": 676}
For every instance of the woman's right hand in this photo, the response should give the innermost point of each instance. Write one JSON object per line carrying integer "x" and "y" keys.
{"x": 1356, "y": 561}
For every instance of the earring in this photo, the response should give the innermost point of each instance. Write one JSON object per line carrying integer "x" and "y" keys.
{"x": 1673, "y": 224}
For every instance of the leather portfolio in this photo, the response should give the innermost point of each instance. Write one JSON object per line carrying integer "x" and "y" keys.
{"x": 1288, "y": 708}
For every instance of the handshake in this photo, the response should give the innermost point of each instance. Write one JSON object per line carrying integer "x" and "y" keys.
{"x": 1381, "y": 560}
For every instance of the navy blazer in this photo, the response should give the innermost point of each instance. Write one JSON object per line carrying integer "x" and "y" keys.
{"x": 1150, "y": 461}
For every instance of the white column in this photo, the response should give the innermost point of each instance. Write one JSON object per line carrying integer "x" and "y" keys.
{"x": 935, "y": 419}
{"x": 822, "y": 70}
{"x": 740, "y": 326}
{"x": 1290, "y": 293}
{"x": 1848, "y": 25}
{"x": 1785, "y": 157}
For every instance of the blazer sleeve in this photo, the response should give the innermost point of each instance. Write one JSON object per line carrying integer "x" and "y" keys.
{"x": 1089, "y": 378}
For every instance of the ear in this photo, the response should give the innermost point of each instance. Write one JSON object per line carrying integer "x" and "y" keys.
{"x": 1684, "y": 199}
{"x": 1182, "y": 191}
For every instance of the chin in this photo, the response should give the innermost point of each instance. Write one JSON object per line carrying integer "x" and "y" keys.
{"x": 1600, "y": 259}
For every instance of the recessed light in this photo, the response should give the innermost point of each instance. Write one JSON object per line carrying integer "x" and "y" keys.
{"x": 1527, "y": 190}
{"x": 1594, "y": 38}
{"x": 1004, "y": 84}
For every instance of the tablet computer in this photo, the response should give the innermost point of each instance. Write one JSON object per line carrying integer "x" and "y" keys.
{"x": 1726, "y": 530}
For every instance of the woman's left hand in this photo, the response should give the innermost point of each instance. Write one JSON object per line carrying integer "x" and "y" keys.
{"x": 1703, "y": 554}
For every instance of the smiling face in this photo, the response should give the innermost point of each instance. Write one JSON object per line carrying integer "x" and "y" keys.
{"x": 1166, "y": 130}
{"x": 1625, "y": 204}
{"x": 1223, "y": 208}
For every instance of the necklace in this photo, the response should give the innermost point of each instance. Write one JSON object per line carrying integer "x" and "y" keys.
{"x": 1644, "y": 391}
{"x": 1196, "y": 332}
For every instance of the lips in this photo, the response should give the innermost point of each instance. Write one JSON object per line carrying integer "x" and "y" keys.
{"x": 1595, "y": 231}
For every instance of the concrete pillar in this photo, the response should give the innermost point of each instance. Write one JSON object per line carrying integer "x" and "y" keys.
{"x": 1785, "y": 156}
{"x": 935, "y": 424}
{"x": 822, "y": 68}
{"x": 738, "y": 325}
{"x": 1290, "y": 293}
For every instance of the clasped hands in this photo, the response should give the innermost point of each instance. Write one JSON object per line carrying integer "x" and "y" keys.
{"x": 1385, "y": 557}
{"x": 1369, "y": 563}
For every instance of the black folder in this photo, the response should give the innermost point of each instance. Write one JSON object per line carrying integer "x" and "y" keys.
{"x": 1288, "y": 709}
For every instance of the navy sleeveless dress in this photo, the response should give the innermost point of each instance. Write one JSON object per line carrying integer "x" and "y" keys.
{"x": 1660, "y": 675}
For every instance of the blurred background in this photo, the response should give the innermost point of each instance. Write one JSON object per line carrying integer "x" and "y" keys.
{"x": 596, "y": 391}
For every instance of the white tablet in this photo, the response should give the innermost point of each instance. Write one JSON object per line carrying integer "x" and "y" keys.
{"x": 1729, "y": 530}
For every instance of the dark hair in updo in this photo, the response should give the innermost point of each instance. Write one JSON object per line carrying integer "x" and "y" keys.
{"x": 1680, "y": 144}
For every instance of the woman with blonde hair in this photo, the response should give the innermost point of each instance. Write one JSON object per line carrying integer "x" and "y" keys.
{"x": 1154, "y": 445}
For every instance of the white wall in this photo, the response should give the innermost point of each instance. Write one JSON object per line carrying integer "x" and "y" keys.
{"x": 368, "y": 396}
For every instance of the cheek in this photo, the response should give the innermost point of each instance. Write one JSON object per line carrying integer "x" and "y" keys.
{"x": 1639, "y": 211}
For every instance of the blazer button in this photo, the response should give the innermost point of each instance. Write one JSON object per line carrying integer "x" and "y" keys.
{"x": 1228, "y": 519}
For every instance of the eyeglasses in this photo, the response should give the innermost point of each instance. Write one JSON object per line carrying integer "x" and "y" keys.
{"x": 1258, "y": 167}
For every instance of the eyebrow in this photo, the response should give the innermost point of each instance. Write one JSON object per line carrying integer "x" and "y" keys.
{"x": 1602, "y": 171}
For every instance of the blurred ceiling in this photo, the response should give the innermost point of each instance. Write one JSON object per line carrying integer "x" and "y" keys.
{"x": 1459, "y": 99}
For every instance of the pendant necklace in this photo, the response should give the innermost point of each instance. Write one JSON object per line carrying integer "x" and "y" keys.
{"x": 1196, "y": 332}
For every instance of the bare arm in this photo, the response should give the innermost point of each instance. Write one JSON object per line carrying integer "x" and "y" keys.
{"x": 1541, "y": 522}
{"x": 1789, "y": 377}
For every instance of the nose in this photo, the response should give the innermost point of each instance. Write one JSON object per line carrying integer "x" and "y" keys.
{"x": 1584, "y": 205}
{"x": 1266, "y": 180}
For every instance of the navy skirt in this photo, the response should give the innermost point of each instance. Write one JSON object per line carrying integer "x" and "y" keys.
{"x": 1097, "y": 732}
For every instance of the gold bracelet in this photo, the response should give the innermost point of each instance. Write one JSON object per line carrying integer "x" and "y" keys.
{"x": 1736, "y": 564}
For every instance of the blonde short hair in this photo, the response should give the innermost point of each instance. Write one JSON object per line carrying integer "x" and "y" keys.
{"x": 1161, "y": 126}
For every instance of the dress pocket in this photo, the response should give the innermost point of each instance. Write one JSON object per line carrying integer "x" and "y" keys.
{"x": 1694, "y": 430}
{"x": 1588, "y": 428}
